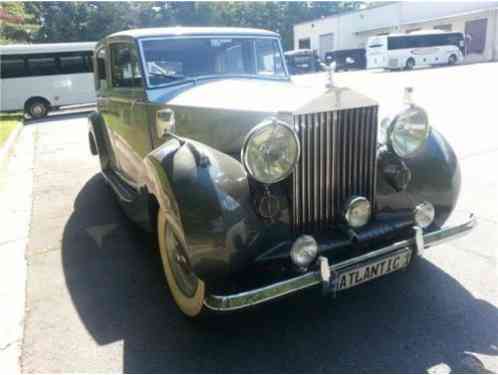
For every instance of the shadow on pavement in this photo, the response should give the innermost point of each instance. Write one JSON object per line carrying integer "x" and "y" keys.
{"x": 406, "y": 322}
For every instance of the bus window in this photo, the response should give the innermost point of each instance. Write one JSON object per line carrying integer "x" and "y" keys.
{"x": 87, "y": 62}
{"x": 376, "y": 43}
{"x": 403, "y": 42}
{"x": 42, "y": 65}
{"x": 72, "y": 64}
{"x": 12, "y": 67}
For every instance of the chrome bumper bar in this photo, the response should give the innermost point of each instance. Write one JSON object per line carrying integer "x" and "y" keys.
{"x": 256, "y": 296}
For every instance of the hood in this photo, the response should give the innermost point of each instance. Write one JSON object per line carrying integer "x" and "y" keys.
{"x": 220, "y": 113}
{"x": 257, "y": 95}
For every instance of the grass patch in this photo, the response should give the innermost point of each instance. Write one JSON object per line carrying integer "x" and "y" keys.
{"x": 8, "y": 123}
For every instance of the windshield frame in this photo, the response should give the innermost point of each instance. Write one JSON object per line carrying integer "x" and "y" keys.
{"x": 284, "y": 77}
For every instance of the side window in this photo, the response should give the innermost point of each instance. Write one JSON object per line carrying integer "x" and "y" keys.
{"x": 42, "y": 65}
{"x": 12, "y": 67}
{"x": 304, "y": 43}
{"x": 72, "y": 63}
{"x": 100, "y": 72}
{"x": 125, "y": 69}
{"x": 268, "y": 57}
{"x": 87, "y": 62}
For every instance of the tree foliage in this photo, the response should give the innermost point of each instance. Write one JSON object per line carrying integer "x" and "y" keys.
{"x": 16, "y": 23}
{"x": 89, "y": 21}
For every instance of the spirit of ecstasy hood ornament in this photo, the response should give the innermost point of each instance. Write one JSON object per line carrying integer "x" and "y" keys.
{"x": 330, "y": 72}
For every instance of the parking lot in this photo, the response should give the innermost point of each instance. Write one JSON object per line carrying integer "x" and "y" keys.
{"x": 96, "y": 296}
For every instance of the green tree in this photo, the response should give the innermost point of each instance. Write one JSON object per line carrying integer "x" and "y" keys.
{"x": 88, "y": 21}
{"x": 16, "y": 24}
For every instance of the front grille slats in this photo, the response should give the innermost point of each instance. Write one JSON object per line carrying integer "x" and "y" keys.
{"x": 338, "y": 161}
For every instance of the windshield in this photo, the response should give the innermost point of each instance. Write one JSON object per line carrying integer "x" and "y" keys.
{"x": 177, "y": 59}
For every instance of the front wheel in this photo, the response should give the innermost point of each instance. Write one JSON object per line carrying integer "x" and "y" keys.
{"x": 187, "y": 290}
{"x": 452, "y": 60}
{"x": 410, "y": 64}
{"x": 37, "y": 108}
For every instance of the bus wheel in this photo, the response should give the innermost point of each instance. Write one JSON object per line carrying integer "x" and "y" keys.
{"x": 452, "y": 60}
{"x": 37, "y": 108}
{"x": 410, "y": 63}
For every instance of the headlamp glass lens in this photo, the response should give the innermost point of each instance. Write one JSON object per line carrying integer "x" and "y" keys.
{"x": 409, "y": 131}
{"x": 270, "y": 152}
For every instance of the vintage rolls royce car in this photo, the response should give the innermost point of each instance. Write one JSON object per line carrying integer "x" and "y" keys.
{"x": 255, "y": 187}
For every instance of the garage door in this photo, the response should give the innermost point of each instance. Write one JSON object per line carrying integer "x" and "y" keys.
{"x": 475, "y": 34}
{"x": 326, "y": 44}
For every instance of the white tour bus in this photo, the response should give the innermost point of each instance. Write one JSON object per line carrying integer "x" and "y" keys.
{"x": 405, "y": 51}
{"x": 35, "y": 78}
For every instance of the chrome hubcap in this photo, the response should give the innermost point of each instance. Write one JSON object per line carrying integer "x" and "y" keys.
{"x": 186, "y": 281}
{"x": 37, "y": 109}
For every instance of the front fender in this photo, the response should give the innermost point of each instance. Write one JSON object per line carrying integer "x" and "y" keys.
{"x": 207, "y": 193}
{"x": 435, "y": 177}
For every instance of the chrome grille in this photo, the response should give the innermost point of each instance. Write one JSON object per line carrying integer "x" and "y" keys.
{"x": 338, "y": 161}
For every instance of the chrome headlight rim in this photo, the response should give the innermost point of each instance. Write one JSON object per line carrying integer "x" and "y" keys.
{"x": 256, "y": 130}
{"x": 391, "y": 129}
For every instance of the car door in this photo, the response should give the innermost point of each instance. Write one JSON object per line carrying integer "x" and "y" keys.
{"x": 127, "y": 109}
{"x": 102, "y": 91}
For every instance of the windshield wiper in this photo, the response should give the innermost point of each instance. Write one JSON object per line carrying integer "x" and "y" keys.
{"x": 165, "y": 75}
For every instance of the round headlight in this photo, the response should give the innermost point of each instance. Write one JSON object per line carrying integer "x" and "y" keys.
{"x": 358, "y": 211}
{"x": 409, "y": 131}
{"x": 270, "y": 151}
{"x": 424, "y": 214}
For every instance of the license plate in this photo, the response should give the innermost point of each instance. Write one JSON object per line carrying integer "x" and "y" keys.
{"x": 359, "y": 275}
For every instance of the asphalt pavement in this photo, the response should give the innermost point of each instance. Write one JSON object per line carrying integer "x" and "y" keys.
{"x": 96, "y": 299}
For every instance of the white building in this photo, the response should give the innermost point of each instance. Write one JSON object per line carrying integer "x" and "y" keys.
{"x": 478, "y": 20}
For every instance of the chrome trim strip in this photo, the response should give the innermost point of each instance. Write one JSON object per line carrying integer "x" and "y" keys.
{"x": 253, "y": 297}
{"x": 419, "y": 240}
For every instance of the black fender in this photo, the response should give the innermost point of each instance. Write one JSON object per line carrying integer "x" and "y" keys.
{"x": 99, "y": 140}
{"x": 206, "y": 194}
{"x": 435, "y": 177}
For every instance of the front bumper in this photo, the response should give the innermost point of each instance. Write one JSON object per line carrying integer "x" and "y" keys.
{"x": 256, "y": 296}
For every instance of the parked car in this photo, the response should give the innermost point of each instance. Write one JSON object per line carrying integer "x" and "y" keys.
{"x": 302, "y": 61}
{"x": 257, "y": 188}
{"x": 347, "y": 59}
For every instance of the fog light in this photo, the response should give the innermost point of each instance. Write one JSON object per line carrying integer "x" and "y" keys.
{"x": 304, "y": 251}
{"x": 424, "y": 214}
{"x": 358, "y": 211}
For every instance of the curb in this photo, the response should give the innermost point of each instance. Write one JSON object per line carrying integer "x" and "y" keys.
{"x": 8, "y": 146}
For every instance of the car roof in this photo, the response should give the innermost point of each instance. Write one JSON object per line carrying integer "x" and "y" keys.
{"x": 12, "y": 49}
{"x": 174, "y": 31}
